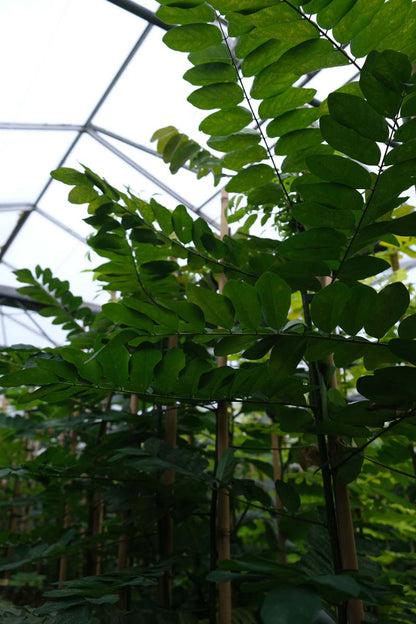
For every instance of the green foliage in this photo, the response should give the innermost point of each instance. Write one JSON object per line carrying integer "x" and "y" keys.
{"x": 312, "y": 297}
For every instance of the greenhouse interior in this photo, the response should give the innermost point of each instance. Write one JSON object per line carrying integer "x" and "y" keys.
{"x": 208, "y": 312}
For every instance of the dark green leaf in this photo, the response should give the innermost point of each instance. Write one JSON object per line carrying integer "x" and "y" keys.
{"x": 182, "y": 224}
{"x": 290, "y": 605}
{"x": 298, "y": 140}
{"x": 275, "y": 298}
{"x": 361, "y": 267}
{"x": 341, "y": 170}
{"x": 382, "y": 80}
{"x": 404, "y": 348}
{"x": 216, "y": 308}
{"x": 349, "y": 142}
{"x": 286, "y": 354}
{"x": 316, "y": 244}
{"x": 292, "y": 120}
{"x": 390, "y": 386}
{"x": 407, "y": 328}
{"x": 391, "y": 304}
{"x": 142, "y": 364}
{"x": 354, "y": 112}
{"x": 359, "y": 307}
{"x": 226, "y": 467}
{"x": 288, "y": 495}
{"x": 351, "y": 468}
{"x": 317, "y": 215}
{"x": 328, "y": 305}
{"x": 246, "y": 304}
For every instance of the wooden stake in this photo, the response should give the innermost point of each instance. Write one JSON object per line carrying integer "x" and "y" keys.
{"x": 223, "y": 502}
{"x": 277, "y": 474}
{"x": 165, "y": 525}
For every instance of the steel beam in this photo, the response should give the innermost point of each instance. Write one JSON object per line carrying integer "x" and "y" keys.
{"x": 136, "y": 9}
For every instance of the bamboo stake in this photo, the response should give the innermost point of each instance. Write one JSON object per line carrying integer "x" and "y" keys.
{"x": 223, "y": 502}
{"x": 96, "y": 515}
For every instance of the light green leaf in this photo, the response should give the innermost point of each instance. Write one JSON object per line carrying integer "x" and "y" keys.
{"x": 210, "y": 73}
{"x": 192, "y": 37}
{"x": 286, "y": 101}
{"x": 226, "y": 121}
{"x": 223, "y": 95}
{"x": 202, "y": 12}
{"x": 292, "y": 120}
{"x": 356, "y": 19}
{"x": 390, "y": 17}
{"x": 331, "y": 14}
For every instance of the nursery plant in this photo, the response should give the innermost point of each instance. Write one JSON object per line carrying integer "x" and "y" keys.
{"x": 232, "y": 437}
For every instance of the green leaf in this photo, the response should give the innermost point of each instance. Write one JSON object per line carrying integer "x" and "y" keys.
{"x": 360, "y": 267}
{"x": 163, "y": 216}
{"x": 284, "y": 102}
{"x": 226, "y": 467}
{"x": 246, "y": 304}
{"x": 226, "y": 121}
{"x": 382, "y": 80}
{"x": 234, "y": 142}
{"x": 192, "y": 37}
{"x": 288, "y": 495}
{"x": 349, "y": 142}
{"x": 223, "y": 95}
{"x": 407, "y": 328}
{"x": 359, "y": 307}
{"x": 82, "y": 194}
{"x": 298, "y": 140}
{"x": 391, "y": 304}
{"x": 114, "y": 360}
{"x": 213, "y": 54}
{"x": 331, "y": 14}
{"x": 210, "y": 73}
{"x": 390, "y": 17}
{"x": 292, "y": 120}
{"x": 316, "y": 215}
{"x": 238, "y": 159}
{"x": 404, "y": 348}
{"x": 356, "y": 19}
{"x": 328, "y": 305}
{"x": 393, "y": 386}
{"x": 202, "y": 12}
{"x": 248, "y": 178}
{"x": 270, "y": 193}
{"x": 275, "y": 298}
{"x": 71, "y": 177}
{"x": 205, "y": 239}
{"x": 351, "y": 468}
{"x": 286, "y": 354}
{"x": 142, "y": 364}
{"x": 182, "y": 224}
{"x": 167, "y": 370}
{"x": 263, "y": 55}
{"x": 304, "y": 58}
{"x": 401, "y": 153}
{"x": 338, "y": 169}
{"x": 406, "y": 132}
{"x": 233, "y": 344}
{"x": 290, "y": 605}
{"x": 354, "y": 112}
{"x": 316, "y": 244}
{"x": 216, "y": 308}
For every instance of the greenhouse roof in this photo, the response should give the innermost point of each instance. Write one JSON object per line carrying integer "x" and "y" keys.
{"x": 87, "y": 83}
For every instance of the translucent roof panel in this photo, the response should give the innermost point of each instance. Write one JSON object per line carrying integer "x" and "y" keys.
{"x": 59, "y": 55}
